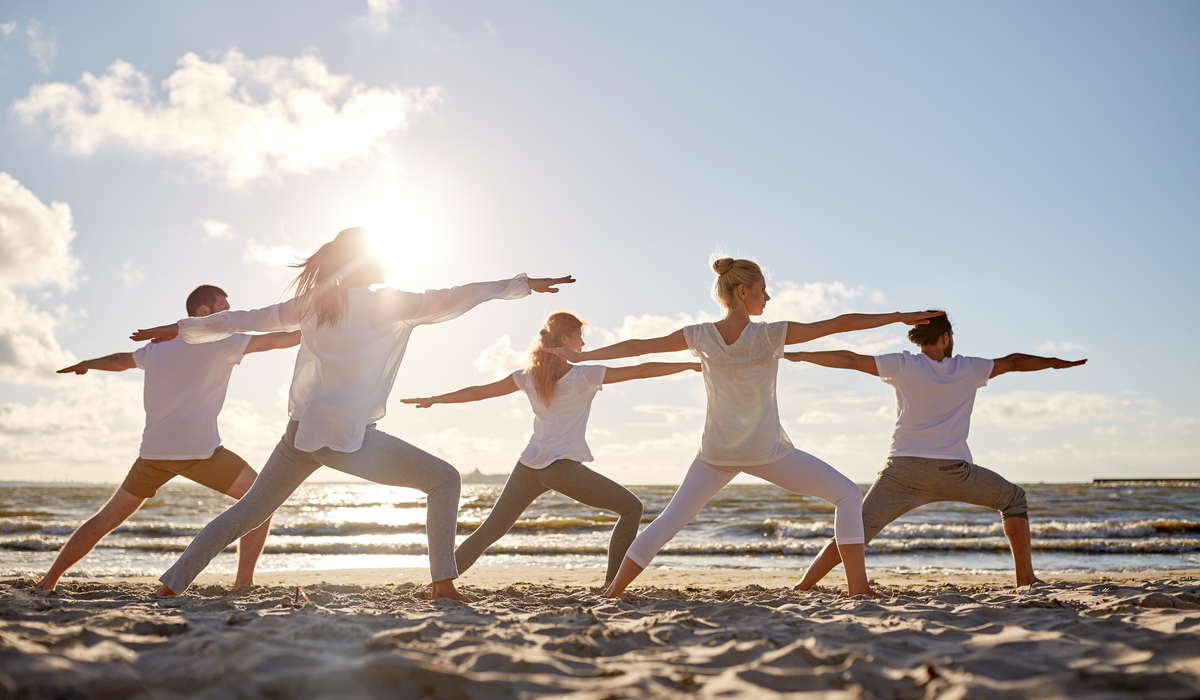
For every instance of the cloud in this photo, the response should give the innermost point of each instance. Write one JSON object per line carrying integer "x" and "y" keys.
{"x": 272, "y": 256}
{"x": 218, "y": 229}
{"x": 462, "y": 450}
{"x": 35, "y": 252}
{"x": 675, "y": 442}
{"x": 8, "y": 28}
{"x": 500, "y": 359}
{"x": 815, "y": 301}
{"x": 1038, "y": 410}
{"x": 132, "y": 275}
{"x": 235, "y": 121}
{"x": 378, "y": 19}
{"x": 1051, "y": 347}
{"x": 672, "y": 414}
{"x": 43, "y": 44}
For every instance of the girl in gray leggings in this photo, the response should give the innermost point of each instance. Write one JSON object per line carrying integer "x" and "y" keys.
{"x": 561, "y": 396}
{"x": 352, "y": 341}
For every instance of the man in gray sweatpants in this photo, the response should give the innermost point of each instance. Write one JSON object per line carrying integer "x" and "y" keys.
{"x": 929, "y": 460}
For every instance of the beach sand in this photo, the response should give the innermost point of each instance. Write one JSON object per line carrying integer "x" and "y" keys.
{"x": 542, "y": 632}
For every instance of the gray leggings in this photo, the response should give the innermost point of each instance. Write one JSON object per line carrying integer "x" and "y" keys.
{"x": 911, "y": 482}
{"x": 382, "y": 458}
{"x": 572, "y": 480}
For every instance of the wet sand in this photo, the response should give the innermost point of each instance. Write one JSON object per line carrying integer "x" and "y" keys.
{"x": 544, "y": 632}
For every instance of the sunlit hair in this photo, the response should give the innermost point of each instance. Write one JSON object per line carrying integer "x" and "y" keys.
{"x": 929, "y": 333}
{"x": 204, "y": 295}
{"x": 730, "y": 273}
{"x": 545, "y": 369}
{"x": 319, "y": 288}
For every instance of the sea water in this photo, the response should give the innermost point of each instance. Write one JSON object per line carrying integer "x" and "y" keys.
{"x": 1076, "y": 527}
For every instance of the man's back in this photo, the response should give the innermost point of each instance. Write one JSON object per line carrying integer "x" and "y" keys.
{"x": 933, "y": 402}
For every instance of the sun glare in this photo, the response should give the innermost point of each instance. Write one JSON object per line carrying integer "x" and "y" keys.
{"x": 403, "y": 234}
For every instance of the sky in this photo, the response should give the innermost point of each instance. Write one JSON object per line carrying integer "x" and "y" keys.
{"x": 1032, "y": 168}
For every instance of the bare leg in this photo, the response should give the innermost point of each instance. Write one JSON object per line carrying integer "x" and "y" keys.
{"x": 629, "y": 570}
{"x": 1016, "y": 529}
{"x": 824, "y": 562}
{"x": 118, "y": 509}
{"x": 856, "y": 570}
{"x": 250, "y": 546}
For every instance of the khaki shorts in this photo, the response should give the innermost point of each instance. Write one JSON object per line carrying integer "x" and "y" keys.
{"x": 218, "y": 472}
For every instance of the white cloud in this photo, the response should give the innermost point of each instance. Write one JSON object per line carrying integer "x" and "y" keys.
{"x": 1035, "y": 409}
{"x": 35, "y": 252}
{"x": 500, "y": 359}
{"x": 218, "y": 229}
{"x": 131, "y": 274}
{"x": 462, "y": 450}
{"x": 672, "y": 414}
{"x": 272, "y": 256}
{"x": 379, "y": 15}
{"x": 815, "y": 301}
{"x": 8, "y": 28}
{"x": 1051, "y": 347}
{"x": 236, "y": 120}
{"x": 675, "y": 442}
{"x": 43, "y": 44}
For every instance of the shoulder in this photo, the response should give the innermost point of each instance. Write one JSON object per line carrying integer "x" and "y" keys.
{"x": 696, "y": 331}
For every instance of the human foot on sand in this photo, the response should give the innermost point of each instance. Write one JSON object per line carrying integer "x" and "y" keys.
{"x": 164, "y": 591}
{"x": 446, "y": 589}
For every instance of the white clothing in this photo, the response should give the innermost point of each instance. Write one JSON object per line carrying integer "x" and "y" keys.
{"x": 183, "y": 393}
{"x": 344, "y": 373}
{"x": 558, "y": 429}
{"x": 933, "y": 402}
{"x": 741, "y": 426}
{"x": 798, "y": 472}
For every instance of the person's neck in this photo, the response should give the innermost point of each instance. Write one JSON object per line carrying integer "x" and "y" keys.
{"x": 933, "y": 352}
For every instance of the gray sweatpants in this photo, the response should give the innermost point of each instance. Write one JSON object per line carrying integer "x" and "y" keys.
{"x": 907, "y": 483}
{"x": 382, "y": 458}
{"x": 571, "y": 479}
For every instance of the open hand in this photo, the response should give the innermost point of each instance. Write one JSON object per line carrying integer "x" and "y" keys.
{"x": 158, "y": 334}
{"x": 568, "y": 355}
{"x": 80, "y": 368}
{"x": 547, "y": 284}
{"x": 1058, "y": 364}
{"x": 919, "y": 318}
{"x": 419, "y": 403}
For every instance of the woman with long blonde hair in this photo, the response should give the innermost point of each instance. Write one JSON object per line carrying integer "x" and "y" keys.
{"x": 561, "y": 396}
{"x": 352, "y": 341}
{"x": 742, "y": 432}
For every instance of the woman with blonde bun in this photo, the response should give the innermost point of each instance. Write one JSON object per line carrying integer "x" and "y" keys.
{"x": 352, "y": 341}
{"x": 742, "y": 433}
{"x": 561, "y": 397}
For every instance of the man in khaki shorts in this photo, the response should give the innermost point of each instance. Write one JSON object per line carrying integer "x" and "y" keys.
{"x": 929, "y": 460}
{"x": 183, "y": 393}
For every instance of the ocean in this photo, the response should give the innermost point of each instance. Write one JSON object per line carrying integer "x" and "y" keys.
{"x": 1076, "y": 527}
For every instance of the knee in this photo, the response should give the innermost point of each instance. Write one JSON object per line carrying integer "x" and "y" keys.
{"x": 632, "y": 508}
{"x": 445, "y": 477}
{"x": 848, "y": 494}
{"x": 1017, "y": 506}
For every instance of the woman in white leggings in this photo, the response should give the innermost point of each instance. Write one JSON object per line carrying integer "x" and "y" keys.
{"x": 740, "y": 360}
{"x": 351, "y": 343}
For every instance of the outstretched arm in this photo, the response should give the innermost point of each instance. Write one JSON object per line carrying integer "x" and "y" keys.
{"x": 804, "y": 332}
{"x": 273, "y": 341}
{"x": 116, "y": 362}
{"x": 471, "y": 393}
{"x": 646, "y": 370}
{"x": 1019, "y": 362}
{"x": 626, "y": 348}
{"x": 214, "y": 327}
{"x": 438, "y": 305}
{"x": 837, "y": 359}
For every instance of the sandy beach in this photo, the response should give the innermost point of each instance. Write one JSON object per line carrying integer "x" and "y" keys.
{"x": 538, "y": 632}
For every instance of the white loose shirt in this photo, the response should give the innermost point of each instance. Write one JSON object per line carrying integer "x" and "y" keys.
{"x": 183, "y": 393}
{"x": 559, "y": 429}
{"x": 741, "y": 426}
{"x": 344, "y": 373}
{"x": 933, "y": 402}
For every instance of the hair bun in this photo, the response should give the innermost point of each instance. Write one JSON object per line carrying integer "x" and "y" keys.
{"x": 722, "y": 265}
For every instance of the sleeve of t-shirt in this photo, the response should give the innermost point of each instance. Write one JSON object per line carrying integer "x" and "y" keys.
{"x": 518, "y": 378}
{"x": 594, "y": 376}
{"x": 233, "y": 348}
{"x": 889, "y": 366}
{"x": 777, "y": 332}
{"x": 982, "y": 367}
{"x": 139, "y": 356}
{"x": 689, "y": 337}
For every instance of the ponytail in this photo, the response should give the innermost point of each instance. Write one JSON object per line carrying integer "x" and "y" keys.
{"x": 319, "y": 287}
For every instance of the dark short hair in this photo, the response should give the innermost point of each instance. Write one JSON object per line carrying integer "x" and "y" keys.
{"x": 928, "y": 333}
{"x": 204, "y": 295}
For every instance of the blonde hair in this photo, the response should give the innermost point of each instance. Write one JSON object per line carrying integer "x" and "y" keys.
{"x": 319, "y": 287}
{"x": 544, "y": 368}
{"x": 730, "y": 273}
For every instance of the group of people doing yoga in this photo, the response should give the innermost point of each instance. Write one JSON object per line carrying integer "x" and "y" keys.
{"x": 352, "y": 340}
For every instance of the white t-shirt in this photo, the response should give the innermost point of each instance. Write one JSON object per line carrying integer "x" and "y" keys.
{"x": 183, "y": 393}
{"x": 933, "y": 402}
{"x": 344, "y": 373}
{"x": 558, "y": 430}
{"x": 741, "y": 427}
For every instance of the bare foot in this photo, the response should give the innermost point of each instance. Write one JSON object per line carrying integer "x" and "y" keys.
{"x": 446, "y": 589}
{"x": 45, "y": 585}
{"x": 163, "y": 590}
{"x": 800, "y": 587}
{"x": 1032, "y": 583}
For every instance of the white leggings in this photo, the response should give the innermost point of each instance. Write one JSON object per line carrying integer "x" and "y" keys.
{"x": 798, "y": 472}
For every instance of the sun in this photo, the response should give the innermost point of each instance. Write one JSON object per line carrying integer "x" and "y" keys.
{"x": 406, "y": 236}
